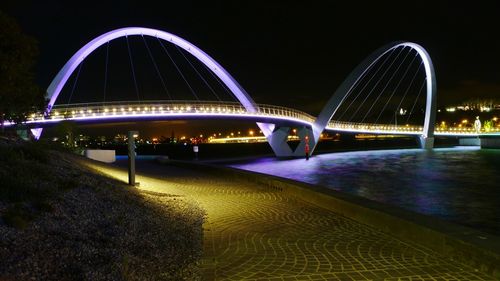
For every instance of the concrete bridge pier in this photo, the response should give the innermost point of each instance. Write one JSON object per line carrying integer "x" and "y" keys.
{"x": 279, "y": 137}
{"x": 278, "y": 141}
{"x": 300, "y": 150}
{"x": 426, "y": 142}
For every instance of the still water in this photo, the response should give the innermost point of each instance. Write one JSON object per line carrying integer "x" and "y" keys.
{"x": 460, "y": 184}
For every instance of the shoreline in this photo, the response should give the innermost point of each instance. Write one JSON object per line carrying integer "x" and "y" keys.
{"x": 470, "y": 246}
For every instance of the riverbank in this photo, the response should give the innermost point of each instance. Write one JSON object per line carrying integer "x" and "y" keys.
{"x": 217, "y": 151}
{"x": 452, "y": 242}
{"x": 257, "y": 231}
{"x": 62, "y": 221}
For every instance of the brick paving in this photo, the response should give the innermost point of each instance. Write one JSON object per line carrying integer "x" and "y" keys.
{"x": 253, "y": 232}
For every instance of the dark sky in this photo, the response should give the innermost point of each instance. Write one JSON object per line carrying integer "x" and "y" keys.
{"x": 291, "y": 53}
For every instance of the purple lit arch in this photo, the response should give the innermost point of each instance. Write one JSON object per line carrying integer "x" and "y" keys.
{"x": 427, "y": 136}
{"x": 62, "y": 77}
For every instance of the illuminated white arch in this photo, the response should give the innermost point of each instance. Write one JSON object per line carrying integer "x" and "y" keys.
{"x": 341, "y": 93}
{"x": 62, "y": 77}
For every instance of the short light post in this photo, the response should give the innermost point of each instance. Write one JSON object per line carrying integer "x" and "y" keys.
{"x": 195, "y": 150}
{"x": 131, "y": 157}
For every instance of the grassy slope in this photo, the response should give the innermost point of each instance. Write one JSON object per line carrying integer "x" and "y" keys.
{"x": 60, "y": 221}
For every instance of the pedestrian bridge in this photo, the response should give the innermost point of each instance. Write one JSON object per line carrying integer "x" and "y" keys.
{"x": 395, "y": 81}
{"x": 111, "y": 112}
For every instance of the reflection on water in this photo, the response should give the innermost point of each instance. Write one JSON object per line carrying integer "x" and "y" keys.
{"x": 459, "y": 184}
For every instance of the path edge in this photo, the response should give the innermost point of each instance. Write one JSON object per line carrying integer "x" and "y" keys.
{"x": 474, "y": 248}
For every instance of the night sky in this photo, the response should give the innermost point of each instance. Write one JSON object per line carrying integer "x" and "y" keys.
{"x": 290, "y": 53}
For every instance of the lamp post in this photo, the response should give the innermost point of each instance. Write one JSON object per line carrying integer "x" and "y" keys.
{"x": 131, "y": 157}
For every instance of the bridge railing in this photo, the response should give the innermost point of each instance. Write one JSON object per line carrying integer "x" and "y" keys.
{"x": 410, "y": 129}
{"x": 345, "y": 126}
{"x": 101, "y": 109}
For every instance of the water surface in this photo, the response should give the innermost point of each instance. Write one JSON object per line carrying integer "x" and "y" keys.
{"x": 460, "y": 184}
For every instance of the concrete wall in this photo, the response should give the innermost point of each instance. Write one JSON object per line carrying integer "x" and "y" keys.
{"x": 490, "y": 142}
{"x": 107, "y": 156}
{"x": 469, "y": 142}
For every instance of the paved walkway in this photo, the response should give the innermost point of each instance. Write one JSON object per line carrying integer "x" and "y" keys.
{"x": 256, "y": 233}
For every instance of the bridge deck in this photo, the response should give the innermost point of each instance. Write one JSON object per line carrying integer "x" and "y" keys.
{"x": 112, "y": 112}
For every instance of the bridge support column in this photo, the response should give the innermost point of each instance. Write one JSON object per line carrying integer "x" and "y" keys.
{"x": 278, "y": 142}
{"x": 426, "y": 142}
{"x": 300, "y": 150}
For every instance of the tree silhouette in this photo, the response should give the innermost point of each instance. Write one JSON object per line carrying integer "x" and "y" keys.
{"x": 19, "y": 94}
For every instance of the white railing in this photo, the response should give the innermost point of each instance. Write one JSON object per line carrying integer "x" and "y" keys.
{"x": 71, "y": 111}
{"x": 373, "y": 127}
{"x": 410, "y": 129}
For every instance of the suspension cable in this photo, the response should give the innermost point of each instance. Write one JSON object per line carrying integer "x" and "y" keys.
{"x": 416, "y": 99}
{"x": 106, "y": 72}
{"x": 386, "y": 84}
{"x": 220, "y": 83}
{"x": 178, "y": 69}
{"x": 367, "y": 83}
{"x": 197, "y": 72}
{"x": 376, "y": 84}
{"x": 75, "y": 82}
{"x": 409, "y": 86}
{"x": 133, "y": 71}
{"x": 397, "y": 86}
{"x": 156, "y": 67}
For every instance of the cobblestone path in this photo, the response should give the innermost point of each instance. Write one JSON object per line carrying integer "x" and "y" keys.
{"x": 256, "y": 233}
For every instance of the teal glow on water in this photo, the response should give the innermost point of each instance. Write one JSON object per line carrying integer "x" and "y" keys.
{"x": 459, "y": 184}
